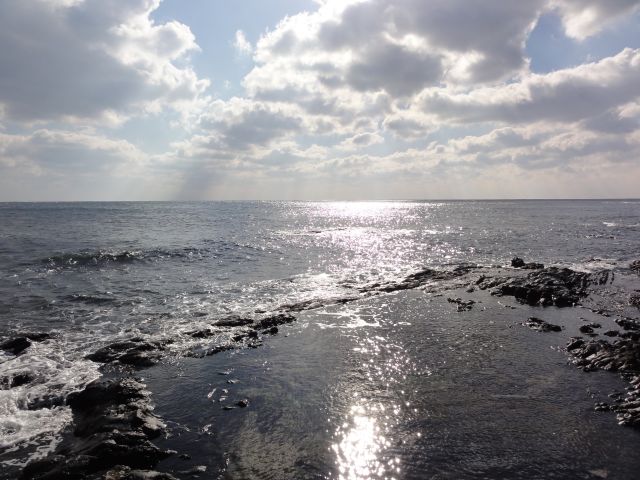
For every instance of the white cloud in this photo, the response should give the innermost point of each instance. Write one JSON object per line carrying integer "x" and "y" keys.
{"x": 58, "y": 152}
{"x": 92, "y": 61}
{"x": 241, "y": 44}
{"x": 584, "y": 18}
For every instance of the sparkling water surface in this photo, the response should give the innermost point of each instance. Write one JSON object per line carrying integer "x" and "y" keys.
{"x": 97, "y": 272}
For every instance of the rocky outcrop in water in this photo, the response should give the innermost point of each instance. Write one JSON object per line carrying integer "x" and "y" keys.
{"x": 20, "y": 343}
{"x": 113, "y": 427}
{"x": 561, "y": 287}
{"x": 517, "y": 262}
{"x": 462, "y": 305}
{"x": 541, "y": 326}
{"x": 135, "y": 352}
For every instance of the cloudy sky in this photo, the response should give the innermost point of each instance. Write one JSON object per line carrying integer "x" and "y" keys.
{"x": 319, "y": 99}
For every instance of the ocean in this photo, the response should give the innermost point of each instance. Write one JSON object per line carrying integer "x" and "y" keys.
{"x": 396, "y": 385}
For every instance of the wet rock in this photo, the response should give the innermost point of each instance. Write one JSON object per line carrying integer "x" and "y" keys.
{"x": 14, "y": 381}
{"x": 419, "y": 279}
{"x": 243, "y": 403}
{"x": 561, "y": 287}
{"x": 233, "y": 321}
{"x": 135, "y": 352}
{"x": 541, "y": 326}
{"x": 628, "y": 323}
{"x": 622, "y": 355}
{"x": 517, "y": 262}
{"x": 205, "y": 333}
{"x": 462, "y": 305}
{"x": 273, "y": 321}
{"x": 15, "y": 345}
{"x": 37, "y": 336}
{"x": 113, "y": 427}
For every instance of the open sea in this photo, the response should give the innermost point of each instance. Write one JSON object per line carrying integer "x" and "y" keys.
{"x": 392, "y": 387}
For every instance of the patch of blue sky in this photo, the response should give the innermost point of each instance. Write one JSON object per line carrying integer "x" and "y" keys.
{"x": 550, "y": 49}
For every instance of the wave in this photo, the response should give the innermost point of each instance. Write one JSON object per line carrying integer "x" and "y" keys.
{"x": 105, "y": 258}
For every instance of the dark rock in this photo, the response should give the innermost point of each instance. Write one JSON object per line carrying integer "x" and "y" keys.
{"x": 243, "y": 403}
{"x": 135, "y": 352}
{"x": 228, "y": 407}
{"x": 15, "y": 345}
{"x": 233, "y": 321}
{"x": 37, "y": 336}
{"x": 634, "y": 300}
{"x": 611, "y": 333}
{"x": 620, "y": 356}
{"x": 541, "y": 326}
{"x": 462, "y": 305}
{"x": 205, "y": 333}
{"x": 586, "y": 329}
{"x": 517, "y": 262}
{"x": 561, "y": 287}
{"x": 628, "y": 323}
{"x": 15, "y": 381}
{"x": 113, "y": 425}
{"x": 273, "y": 321}
{"x": 271, "y": 331}
{"x": 635, "y": 266}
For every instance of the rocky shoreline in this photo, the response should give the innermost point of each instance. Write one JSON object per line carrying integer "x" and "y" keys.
{"x": 113, "y": 421}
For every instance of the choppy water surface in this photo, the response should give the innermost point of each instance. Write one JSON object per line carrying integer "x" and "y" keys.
{"x": 94, "y": 273}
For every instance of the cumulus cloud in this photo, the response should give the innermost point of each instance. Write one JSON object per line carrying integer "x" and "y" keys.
{"x": 583, "y": 18}
{"x": 569, "y": 95}
{"x": 356, "y": 89}
{"x": 95, "y": 60}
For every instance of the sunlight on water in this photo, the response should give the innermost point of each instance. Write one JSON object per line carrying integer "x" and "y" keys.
{"x": 359, "y": 451}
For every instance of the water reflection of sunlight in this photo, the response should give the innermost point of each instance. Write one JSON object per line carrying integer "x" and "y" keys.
{"x": 362, "y": 209}
{"x": 359, "y": 450}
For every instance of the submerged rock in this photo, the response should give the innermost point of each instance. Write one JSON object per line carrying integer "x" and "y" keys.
{"x": 462, "y": 305}
{"x": 541, "y": 326}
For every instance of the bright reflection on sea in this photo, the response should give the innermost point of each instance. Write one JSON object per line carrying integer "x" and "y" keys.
{"x": 362, "y": 441}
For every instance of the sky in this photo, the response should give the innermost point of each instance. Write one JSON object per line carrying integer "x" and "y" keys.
{"x": 319, "y": 99}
